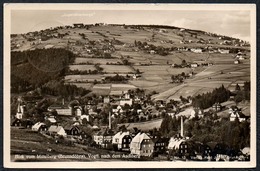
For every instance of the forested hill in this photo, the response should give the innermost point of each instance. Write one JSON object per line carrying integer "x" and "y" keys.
{"x": 33, "y": 68}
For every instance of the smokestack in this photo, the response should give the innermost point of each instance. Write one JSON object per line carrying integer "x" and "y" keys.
{"x": 181, "y": 126}
{"x": 109, "y": 119}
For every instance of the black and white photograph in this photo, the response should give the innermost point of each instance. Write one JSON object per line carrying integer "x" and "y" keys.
{"x": 129, "y": 85}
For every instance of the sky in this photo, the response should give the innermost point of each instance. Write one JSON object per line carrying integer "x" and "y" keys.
{"x": 234, "y": 23}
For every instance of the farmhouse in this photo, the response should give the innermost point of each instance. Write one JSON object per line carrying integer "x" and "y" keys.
{"x": 57, "y": 130}
{"x": 142, "y": 145}
{"x": 121, "y": 141}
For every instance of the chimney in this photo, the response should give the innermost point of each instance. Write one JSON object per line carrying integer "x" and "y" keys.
{"x": 109, "y": 120}
{"x": 63, "y": 102}
{"x": 181, "y": 126}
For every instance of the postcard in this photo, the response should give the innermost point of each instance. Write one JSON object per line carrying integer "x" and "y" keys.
{"x": 129, "y": 85}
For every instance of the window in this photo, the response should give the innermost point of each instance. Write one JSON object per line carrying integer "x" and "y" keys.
{"x": 144, "y": 145}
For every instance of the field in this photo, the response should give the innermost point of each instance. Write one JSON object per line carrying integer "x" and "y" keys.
{"x": 83, "y": 78}
{"x": 117, "y": 69}
{"x": 96, "y": 60}
{"x": 82, "y": 67}
{"x": 83, "y": 85}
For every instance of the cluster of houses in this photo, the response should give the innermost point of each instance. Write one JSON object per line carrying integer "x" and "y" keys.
{"x": 143, "y": 144}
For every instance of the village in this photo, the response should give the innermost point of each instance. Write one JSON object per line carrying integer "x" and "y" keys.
{"x": 159, "y": 108}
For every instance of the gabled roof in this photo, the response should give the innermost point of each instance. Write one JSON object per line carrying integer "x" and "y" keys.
{"x": 140, "y": 137}
{"x": 38, "y": 125}
{"x": 54, "y": 128}
{"x": 174, "y": 143}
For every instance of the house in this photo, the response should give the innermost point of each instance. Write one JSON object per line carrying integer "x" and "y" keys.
{"x": 186, "y": 149}
{"x": 217, "y": 149}
{"x": 121, "y": 141}
{"x": 39, "y": 127}
{"x": 87, "y": 117}
{"x": 160, "y": 144}
{"x": 78, "y": 110}
{"x": 135, "y": 76}
{"x": 57, "y": 130}
{"x": 51, "y": 119}
{"x": 27, "y": 123}
{"x": 223, "y": 51}
{"x": 194, "y": 65}
{"x": 152, "y": 52}
{"x": 103, "y": 138}
{"x": 217, "y": 107}
{"x": 197, "y": 111}
{"x": 236, "y": 113}
{"x": 72, "y": 130}
{"x": 78, "y": 25}
{"x": 142, "y": 145}
{"x": 236, "y": 62}
{"x": 17, "y": 123}
{"x": 163, "y": 31}
{"x": 117, "y": 109}
{"x": 196, "y": 50}
{"x": 61, "y": 109}
{"x": 106, "y": 100}
{"x": 126, "y": 100}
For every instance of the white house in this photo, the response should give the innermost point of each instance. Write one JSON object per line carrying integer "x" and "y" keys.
{"x": 196, "y": 50}
{"x": 223, "y": 51}
{"x": 39, "y": 126}
{"x": 236, "y": 113}
{"x": 174, "y": 143}
{"x": 194, "y": 65}
{"x": 142, "y": 145}
{"x": 57, "y": 130}
{"x": 236, "y": 62}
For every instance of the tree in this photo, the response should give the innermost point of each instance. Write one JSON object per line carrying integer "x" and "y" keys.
{"x": 237, "y": 88}
{"x": 239, "y": 97}
{"x": 183, "y": 62}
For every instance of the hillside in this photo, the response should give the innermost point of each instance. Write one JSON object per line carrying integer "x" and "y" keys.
{"x": 33, "y": 68}
{"x": 152, "y": 53}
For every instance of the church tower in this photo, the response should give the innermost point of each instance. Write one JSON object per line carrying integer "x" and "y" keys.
{"x": 20, "y": 111}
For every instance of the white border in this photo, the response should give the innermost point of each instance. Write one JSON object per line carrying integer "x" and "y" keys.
{"x": 76, "y": 6}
